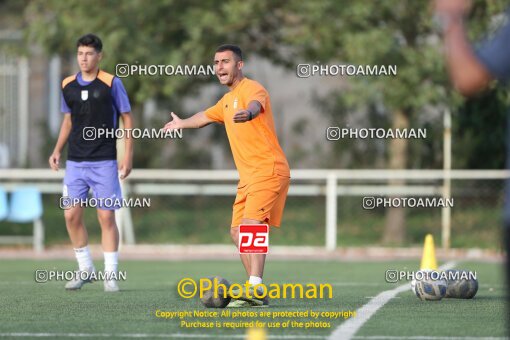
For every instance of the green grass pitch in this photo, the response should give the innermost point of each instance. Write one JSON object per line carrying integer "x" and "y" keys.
{"x": 35, "y": 310}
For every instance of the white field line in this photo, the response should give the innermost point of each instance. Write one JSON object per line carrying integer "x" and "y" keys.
{"x": 350, "y": 327}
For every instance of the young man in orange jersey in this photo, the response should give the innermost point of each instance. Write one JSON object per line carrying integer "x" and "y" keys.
{"x": 263, "y": 169}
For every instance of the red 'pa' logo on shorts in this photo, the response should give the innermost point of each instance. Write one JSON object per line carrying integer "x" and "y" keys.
{"x": 253, "y": 238}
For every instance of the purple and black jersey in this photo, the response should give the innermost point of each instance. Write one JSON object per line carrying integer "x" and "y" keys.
{"x": 93, "y": 105}
{"x": 120, "y": 98}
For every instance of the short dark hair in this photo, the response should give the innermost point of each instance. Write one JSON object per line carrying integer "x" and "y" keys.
{"x": 233, "y": 48}
{"x": 91, "y": 40}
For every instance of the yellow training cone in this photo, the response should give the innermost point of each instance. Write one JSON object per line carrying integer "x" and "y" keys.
{"x": 428, "y": 259}
{"x": 256, "y": 334}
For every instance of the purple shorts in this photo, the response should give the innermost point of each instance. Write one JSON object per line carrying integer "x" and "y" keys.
{"x": 101, "y": 176}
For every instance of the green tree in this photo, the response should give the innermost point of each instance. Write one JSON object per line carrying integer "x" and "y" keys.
{"x": 390, "y": 32}
{"x": 479, "y": 131}
{"x": 164, "y": 32}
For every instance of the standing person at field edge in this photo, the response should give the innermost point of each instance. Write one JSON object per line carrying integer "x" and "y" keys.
{"x": 472, "y": 71}
{"x": 263, "y": 169}
{"x": 93, "y": 99}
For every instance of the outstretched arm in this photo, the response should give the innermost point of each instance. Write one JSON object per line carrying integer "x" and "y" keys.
{"x": 198, "y": 120}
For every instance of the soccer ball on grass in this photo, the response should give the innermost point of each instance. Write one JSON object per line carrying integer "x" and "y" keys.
{"x": 428, "y": 286}
{"x": 208, "y": 298}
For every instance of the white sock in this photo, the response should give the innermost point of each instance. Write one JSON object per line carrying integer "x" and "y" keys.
{"x": 111, "y": 261}
{"x": 255, "y": 280}
{"x": 84, "y": 258}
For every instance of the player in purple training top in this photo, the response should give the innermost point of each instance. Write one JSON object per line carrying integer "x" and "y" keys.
{"x": 92, "y": 100}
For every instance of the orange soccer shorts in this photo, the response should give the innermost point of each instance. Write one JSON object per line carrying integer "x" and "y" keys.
{"x": 262, "y": 199}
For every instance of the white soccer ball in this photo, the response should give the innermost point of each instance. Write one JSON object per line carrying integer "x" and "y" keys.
{"x": 429, "y": 286}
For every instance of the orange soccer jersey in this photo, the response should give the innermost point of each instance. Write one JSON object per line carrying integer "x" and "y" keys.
{"x": 254, "y": 144}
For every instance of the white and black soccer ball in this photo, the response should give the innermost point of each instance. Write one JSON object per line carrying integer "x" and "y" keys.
{"x": 208, "y": 298}
{"x": 428, "y": 287}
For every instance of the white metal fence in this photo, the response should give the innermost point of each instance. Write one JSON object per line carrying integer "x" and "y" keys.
{"x": 330, "y": 184}
{"x": 13, "y": 110}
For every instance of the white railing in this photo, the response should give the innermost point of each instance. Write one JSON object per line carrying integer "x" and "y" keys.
{"x": 201, "y": 182}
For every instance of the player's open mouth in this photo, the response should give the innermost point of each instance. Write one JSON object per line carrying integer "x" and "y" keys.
{"x": 223, "y": 76}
